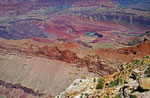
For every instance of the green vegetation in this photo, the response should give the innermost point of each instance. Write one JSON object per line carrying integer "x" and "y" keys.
{"x": 75, "y": 84}
{"x": 147, "y": 57}
{"x": 94, "y": 80}
{"x": 133, "y": 90}
{"x": 125, "y": 82}
{"x": 147, "y": 71}
{"x": 118, "y": 95}
{"x": 87, "y": 95}
{"x": 133, "y": 96}
{"x": 112, "y": 84}
{"x": 117, "y": 82}
{"x": 136, "y": 62}
{"x": 106, "y": 97}
{"x": 100, "y": 84}
{"x": 81, "y": 96}
{"x": 129, "y": 70}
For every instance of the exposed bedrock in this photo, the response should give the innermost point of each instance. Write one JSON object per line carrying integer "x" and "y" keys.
{"x": 93, "y": 62}
{"x": 118, "y": 17}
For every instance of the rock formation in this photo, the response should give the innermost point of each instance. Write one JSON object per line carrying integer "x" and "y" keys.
{"x": 124, "y": 83}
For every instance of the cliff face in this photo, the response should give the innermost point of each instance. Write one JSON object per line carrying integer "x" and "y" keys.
{"x": 92, "y": 62}
{"x": 36, "y": 74}
{"x": 98, "y": 61}
{"x": 60, "y": 59}
{"x": 118, "y": 17}
{"x": 62, "y": 56}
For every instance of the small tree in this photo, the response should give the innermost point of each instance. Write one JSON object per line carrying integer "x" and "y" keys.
{"x": 100, "y": 84}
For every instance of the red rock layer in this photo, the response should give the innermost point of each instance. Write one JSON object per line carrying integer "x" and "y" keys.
{"x": 125, "y": 54}
{"x": 59, "y": 52}
{"x": 96, "y": 63}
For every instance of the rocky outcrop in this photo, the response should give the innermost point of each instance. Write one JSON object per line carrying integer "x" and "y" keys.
{"x": 93, "y": 62}
{"x": 122, "y": 84}
{"x": 144, "y": 83}
{"x": 97, "y": 65}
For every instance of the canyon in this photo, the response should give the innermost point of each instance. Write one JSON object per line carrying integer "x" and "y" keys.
{"x": 49, "y": 45}
{"x": 33, "y": 62}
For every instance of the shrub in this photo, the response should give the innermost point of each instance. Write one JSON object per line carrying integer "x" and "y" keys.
{"x": 112, "y": 84}
{"x": 75, "y": 84}
{"x": 80, "y": 81}
{"x": 94, "y": 80}
{"x": 106, "y": 97}
{"x": 147, "y": 71}
{"x": 100, "y": 84}
{"x": 118, "y": 96}
{"x": 136, "y": 61}
{"x": 133, "y": 96}
{"x": 117, "y": 82}
{"x": 147, "y": 57}
{"x": 125, "y": 82}
{"x": 87, "y": 95}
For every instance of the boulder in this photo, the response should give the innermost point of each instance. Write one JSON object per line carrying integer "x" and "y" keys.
{"x": 144, "y": 83}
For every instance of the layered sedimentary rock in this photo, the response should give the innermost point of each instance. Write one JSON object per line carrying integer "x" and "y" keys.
{"x": 93, "y": 62}
{"x": 117, "y": 17}
{"x": 98, "y": 62}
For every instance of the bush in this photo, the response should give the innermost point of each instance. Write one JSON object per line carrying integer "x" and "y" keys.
{"x": 100, "y": 84}
{"x": 118, "y": 96}
{"x": 147, "y": 71}
{"x": 119, "y": 81}
{"x": 106, "y": 97}
{"x": 94, "y": 80}
{"x": 147, "y": 57}
{"x": 81, "y": 96}
{"x": 112, "y": 84}
{"x": 87, "y": 95}
{"x": 133, "y": 96}
{"x": 75, "y": 84}
{"x": 137, "y": 62}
